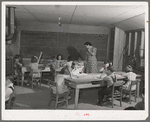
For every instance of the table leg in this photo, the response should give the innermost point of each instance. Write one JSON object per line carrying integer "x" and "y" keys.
{"x": 138, "y": 89}
{"x": 22, "y": 79}
{"x": 76, "y": 98}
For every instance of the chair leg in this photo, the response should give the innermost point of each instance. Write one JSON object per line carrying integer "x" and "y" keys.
{"x": 130, "y": 98}
{"x": 32, "y": 84}
{"x": 121, "y": 99}
{"x": 56, "y": 102}
{"x": 67, "y": 100}
{"x": 135, "y": 97}
{"x": 40, "y": 82}
{"x": 112, "y": 101}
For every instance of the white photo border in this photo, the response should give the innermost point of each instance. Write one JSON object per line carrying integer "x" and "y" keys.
{"x": 72, "y": 114}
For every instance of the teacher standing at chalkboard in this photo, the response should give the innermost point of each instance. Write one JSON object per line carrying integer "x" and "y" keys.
{"x": 91, "y": 60}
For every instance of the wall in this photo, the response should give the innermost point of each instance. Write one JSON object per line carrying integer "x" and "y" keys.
{"x": 55, "y": 28}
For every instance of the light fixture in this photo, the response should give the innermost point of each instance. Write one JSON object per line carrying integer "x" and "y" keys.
{"x": 59, "y": 21}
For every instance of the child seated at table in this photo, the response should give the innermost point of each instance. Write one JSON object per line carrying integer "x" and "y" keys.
{"x": 17, "y": 68}
{"x": 104, "y": 68}
{"x": 80, "y": 62}
{"x": 69, "y": 62}
{"x": 9, "y": 89}
{"x": 34, "y": 68}
{"x": 106, "y": 90}
{"x": 76, "y": 71}
{"x": 131, "y": 76}
{"x": 65, "y": 70}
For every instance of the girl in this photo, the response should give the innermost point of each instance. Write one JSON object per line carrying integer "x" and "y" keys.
{"x": 59, "y": 57}
{"x": 131, "y": 76}
{"x": 106, "y": 65}
{"x": 34, "y": 68}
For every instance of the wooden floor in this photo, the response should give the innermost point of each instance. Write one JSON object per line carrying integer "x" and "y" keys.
{"x": 38, "y": 97}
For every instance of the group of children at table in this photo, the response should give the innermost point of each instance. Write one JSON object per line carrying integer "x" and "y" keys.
{"x": 76, "y": 68}
{"x": 109, "y": 79}
{"x": 65, "y": 67}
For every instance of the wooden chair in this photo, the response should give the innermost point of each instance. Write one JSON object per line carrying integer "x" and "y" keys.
{"x": 56, "y": 96}
{"x": 130, "y": 91}
{"x": 10, "y": 103}
{"x": 114, "y": 94}
{"x": 35, "y": 78}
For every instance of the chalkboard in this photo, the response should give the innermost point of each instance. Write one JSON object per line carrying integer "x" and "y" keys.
{"x": 53, "y": 43}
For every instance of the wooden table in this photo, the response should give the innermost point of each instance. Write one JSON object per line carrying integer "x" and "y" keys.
{"x": 25, "y": 69}
{"x": 46, "y": 69}
{"x": 89, "y": 81}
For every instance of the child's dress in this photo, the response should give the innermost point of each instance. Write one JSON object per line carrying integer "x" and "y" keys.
{"x": 131, "y": 77}
{"x": 34, "y": 71}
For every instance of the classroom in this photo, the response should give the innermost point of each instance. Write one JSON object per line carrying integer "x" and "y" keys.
{"x": 76, "y": 56}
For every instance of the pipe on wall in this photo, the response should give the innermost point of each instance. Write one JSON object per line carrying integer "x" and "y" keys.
{"x": 10, "y": 23}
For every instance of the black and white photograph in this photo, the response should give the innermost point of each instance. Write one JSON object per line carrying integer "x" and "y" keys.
{"x": 74, "y": 60}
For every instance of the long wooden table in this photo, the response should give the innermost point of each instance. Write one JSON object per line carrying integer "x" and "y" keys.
{"x": 46, "y": 69}
{"x": 25, "y": 69}
{"x": 89, "y": 81}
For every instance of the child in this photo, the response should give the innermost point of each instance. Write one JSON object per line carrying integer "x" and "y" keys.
{"x": 131, "y": 76}
{"x": 17, "y": 67}
{"x": 69, "y": 63}
{"x": 76, "y": 71}
{"x": 9, "y": 89}
{"x": 65, "y": 70}
{"x": 106, "y": 64}
{"x": 53, "y": 62}
{"x": 34, "y": 68}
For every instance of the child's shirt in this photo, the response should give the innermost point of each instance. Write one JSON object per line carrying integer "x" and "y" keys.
{"x": 131, "y": 77}
{"x": 9, "y": 88}
{"x": 69, "y": 65}
{"x": 34, "y": 69}
{"x": 17, "y": 67}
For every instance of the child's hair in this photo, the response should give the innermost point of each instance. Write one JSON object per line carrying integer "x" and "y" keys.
{"x": 73, "y": 65}
{"x": 69, "y": 58}
{"x": 129, "y": 68}
{"x": 17, "y": 56}
{"x": 9, "y": 78}
{"x": 110, "y": 68}
{"x": 53, "y": 57}
{"x": 60, "y": 55}
{"x": 34, "y": 59}
{"x": 80, "y": 59}
{"x": 109, "y": 62}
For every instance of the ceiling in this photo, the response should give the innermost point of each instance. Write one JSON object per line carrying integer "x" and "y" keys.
{"x": 126, "y": 17}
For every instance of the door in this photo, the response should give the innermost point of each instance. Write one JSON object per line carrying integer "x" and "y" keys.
{"x": 119, "y": 46}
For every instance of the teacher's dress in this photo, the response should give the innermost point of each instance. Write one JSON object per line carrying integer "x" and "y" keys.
{"x": 91, "y": 59}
